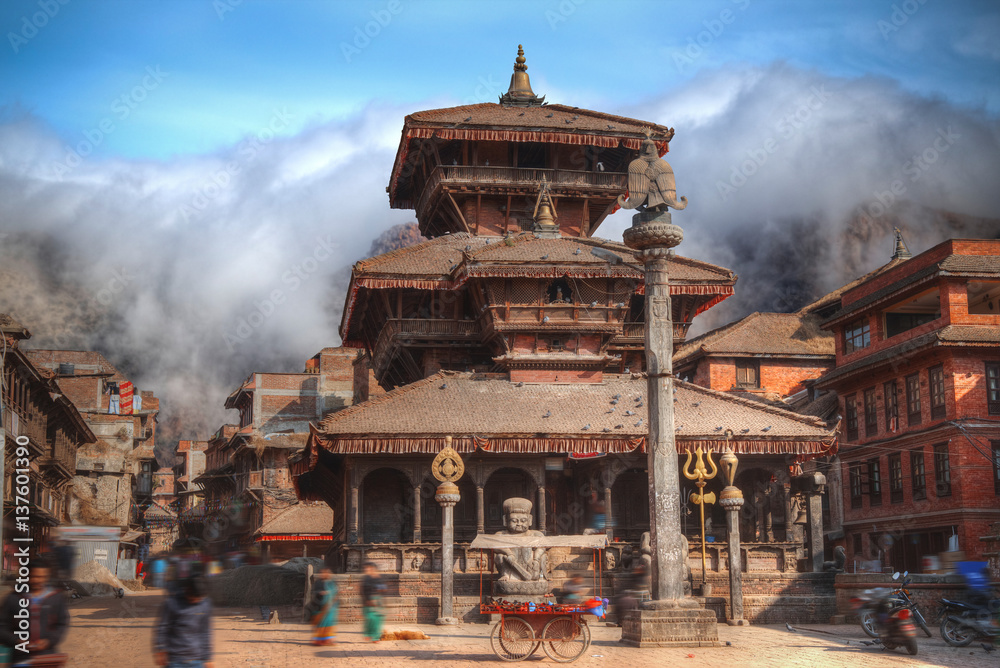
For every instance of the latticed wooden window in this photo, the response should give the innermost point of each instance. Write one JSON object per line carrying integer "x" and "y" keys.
{"x": 856, "y": 336}
{"x": 896, "y": 478}
{"x": 913, "y": 399}
{"x": 891, "y": 407}
{"x": 524, "y": 292}
{"x": 851, "y": 408}
{"x": 875, "y": 482}
{"x": 942, "y": 470}
{"x": 871, "y": 413}
{"x": 993, "y": 388}
{"x": 855, "y": 482}
{"x": 936, "y": 374}
{"x": 918, "y": 474}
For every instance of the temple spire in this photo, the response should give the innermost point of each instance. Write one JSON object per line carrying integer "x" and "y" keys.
{"x": 901, "y": 251}
{"x": 520, "y": 94}
{"x": 545, "y": 215}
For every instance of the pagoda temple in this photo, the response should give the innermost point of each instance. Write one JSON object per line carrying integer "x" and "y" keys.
{"x": 520, "y": 334}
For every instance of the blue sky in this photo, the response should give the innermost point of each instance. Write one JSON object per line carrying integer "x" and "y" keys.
{"x": 228, "y": 64}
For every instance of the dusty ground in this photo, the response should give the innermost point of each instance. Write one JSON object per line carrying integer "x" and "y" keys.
{"x": 117, "y": 633}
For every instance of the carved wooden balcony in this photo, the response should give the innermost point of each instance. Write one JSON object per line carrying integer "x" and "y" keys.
{"x": 503, "y": 179}
{"x": 634, "y": 334}
{"x": 404, "y": 331}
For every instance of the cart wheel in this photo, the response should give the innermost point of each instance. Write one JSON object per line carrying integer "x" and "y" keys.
{"x": 565, "y": 639}
{"x": 512, "y": 639}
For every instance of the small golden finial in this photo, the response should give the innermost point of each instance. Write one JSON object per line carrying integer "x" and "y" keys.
{"x": 519, "y": 62}
{"x": 520, "y": 94}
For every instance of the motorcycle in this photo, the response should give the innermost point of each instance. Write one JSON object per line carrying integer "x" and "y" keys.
{"x": 901, "y": 598}
{"x": 892, "y": 623}
{"x": 962, "y": 622}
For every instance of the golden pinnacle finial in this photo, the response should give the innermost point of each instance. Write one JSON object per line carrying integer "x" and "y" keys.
{"x": 519, "y": 62}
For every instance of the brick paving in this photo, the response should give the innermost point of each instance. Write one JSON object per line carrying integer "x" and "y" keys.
{"x": 109, "y": 632}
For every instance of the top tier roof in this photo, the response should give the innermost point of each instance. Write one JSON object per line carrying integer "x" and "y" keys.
{"x": 513, "y": 122}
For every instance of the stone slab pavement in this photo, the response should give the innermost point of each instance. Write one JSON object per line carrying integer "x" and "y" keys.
{"x": 108, "y": 632}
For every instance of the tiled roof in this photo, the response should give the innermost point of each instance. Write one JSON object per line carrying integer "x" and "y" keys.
{"x": 549, "y": 117}
{"x": 902, "y": 352}
{"x": 762, "y": 334}
{"x": 490, "y": 405}
{"x": 9, "y": 325}
{"x": 302, "y": 518}
{"x": 972, "y": 264}
{"x": 835, "y": 295}
{"x": 447, "y": 256}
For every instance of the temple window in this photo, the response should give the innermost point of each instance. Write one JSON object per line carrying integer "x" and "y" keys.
{"x": 748, "y": 373}
{"x": 857, "y": 335}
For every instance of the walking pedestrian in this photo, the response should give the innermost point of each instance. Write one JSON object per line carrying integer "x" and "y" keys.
{"x": 183, "y": 633}
{"x": 327, "y": 609}
{"x": 372, "y": 591}
{"x": 47, "y": 614}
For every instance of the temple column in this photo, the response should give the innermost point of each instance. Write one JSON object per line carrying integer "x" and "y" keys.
{"x": 352, "y": 516}
{"x": 416, "y": 515}
{"x": 447, "y": 495}
{"x": 789, "y": 512}
{"x": 541, "y": 509}
{"x": 480, "y": 510}
{"x": 609, "y": 524}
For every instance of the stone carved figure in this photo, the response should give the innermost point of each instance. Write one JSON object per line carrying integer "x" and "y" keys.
{"x": 521, "y": 570}
{"x": 647, "y": 558}
{"x": 651, "y": 184}
{"x": 839, "y": 559}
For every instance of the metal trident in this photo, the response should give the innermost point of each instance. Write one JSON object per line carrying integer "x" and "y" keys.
{"x": 700, "y": 474}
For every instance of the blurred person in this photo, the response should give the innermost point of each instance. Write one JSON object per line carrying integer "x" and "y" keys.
{"x": 47, "y": 616}
{"x": 159, "y": 571}
{"x": 573, "y": 590}
{"x": 182, "y": 637}
{"x": 372, "y": 591}
{"x": 326, "y": 609}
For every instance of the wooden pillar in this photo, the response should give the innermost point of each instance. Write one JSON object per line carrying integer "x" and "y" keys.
{"x": 352, "y": 516}
{"x": 416, "y": 515}
{"x": 480, "y": 510}
{"x": 541, "y": 509}
{"x": 609, "y": 524}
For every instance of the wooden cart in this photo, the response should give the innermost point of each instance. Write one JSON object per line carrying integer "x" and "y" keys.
{"x": 560, "y": 629}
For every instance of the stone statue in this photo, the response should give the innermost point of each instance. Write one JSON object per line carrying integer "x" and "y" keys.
{"x": 522, "y": 570}
{"x": 651, "y": 182}
{"x": 839, "y": 559}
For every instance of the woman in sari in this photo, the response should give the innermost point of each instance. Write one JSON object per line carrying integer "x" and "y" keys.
{"x": 372, "y": 589}
{"x": 324, "y": 621}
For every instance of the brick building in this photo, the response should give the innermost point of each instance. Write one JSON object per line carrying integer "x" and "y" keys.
{"x": 769, "y": 354}
{"x": 517, "y": 332}
{"x": 249, "y": 498}
{"x": 918, "y": 375}
{"x": 114, "y": 475}
{"x": 190, "y": 464}
{"x": 36, "y": 414}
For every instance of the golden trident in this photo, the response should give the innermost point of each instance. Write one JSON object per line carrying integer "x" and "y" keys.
{"x": 700, "y": 474}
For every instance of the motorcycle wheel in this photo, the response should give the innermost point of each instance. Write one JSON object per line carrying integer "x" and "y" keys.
{"x": 921, "y": 622}
{"x": 911, "y": 645}
{"x": 955, "y": 633}
{"x": 867, "y": 619}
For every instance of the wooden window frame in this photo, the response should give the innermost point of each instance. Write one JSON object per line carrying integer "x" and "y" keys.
{"x": 856, "y": 488}
{"x": 857, "y": 335}
{"x": 890, "y": 392}
{"x": 871, "y": 413}
{"x": 942, "y": 470}
{"x": 913, "y": 416}
{"x": 896, "y": 478}
{"x": 748, "y": 364}
{"x": 851, "y": 416}
{"x": 993, "y": 388}
{"x": 875, "y": 481}
{"x": 918, "y": 474}
{"x": 939, "y": 407}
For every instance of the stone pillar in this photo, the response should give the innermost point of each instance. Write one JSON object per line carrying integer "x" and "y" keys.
{"x": 669, "y": 619}
{"x": 732, "y": 500}
{"x": 447, "y": 495}
{"x": 816, "y": 530}
{"x": 609, "y": 526}
{"x": 480, "y": 510}
{"x": 352, "y": 516}
{"x": 541, "y": 509}
{"x": 789, "y": 512}
{"x": 417, "y": 537}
